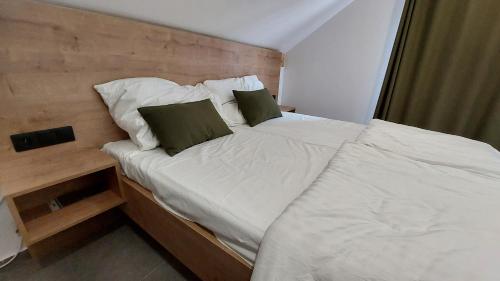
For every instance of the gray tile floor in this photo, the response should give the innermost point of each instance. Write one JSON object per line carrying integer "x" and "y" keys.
{"x": 124, "y": 254}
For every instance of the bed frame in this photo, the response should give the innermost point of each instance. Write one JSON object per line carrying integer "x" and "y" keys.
{"x": 195, "y": 246}
{"x": 51, "y": 56}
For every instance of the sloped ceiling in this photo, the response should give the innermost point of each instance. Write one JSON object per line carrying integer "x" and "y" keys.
{"x": 276, "y": 24}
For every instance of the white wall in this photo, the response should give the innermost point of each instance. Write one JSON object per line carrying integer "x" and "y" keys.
{"x": 337, "y": 71}
{"x": 9, "y": 240}
{"x": 277, "y": 24}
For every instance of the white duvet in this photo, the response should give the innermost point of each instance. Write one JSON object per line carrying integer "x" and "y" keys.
{"x": 403, "y": 207}
{"x": 433, "y": 147}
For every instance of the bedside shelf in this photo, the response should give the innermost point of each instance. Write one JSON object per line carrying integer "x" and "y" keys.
{"x": 41, "y": 173}
{"x": 55, "y": 222}
{"x": 53, "y": 194}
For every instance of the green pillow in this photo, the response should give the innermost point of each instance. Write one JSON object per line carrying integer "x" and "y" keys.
{"x": 257, "y": 106}
{"x": 180, "y": 126}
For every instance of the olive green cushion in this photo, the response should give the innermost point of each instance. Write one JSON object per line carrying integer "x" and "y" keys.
{"x": 257, "y": 106}
{"x": 180, "y": 126}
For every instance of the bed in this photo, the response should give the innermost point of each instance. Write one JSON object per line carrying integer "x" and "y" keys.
{"x": 391, "y": 196}
{"x": 236, "y": 186}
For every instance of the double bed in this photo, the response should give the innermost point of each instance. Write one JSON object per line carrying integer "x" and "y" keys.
{"x": 308, "y": 198}
{"x": 238, "y": 185}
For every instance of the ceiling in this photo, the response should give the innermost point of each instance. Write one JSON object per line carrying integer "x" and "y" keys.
{"x": 276, "y": 24}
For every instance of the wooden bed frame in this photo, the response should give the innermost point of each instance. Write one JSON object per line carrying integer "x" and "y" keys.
{"x": 51, "y": 56}
{"x": 195, "y": 246}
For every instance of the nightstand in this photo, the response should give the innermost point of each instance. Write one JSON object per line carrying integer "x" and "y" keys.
{"x": 286, "y": 108}
{"x": 51, "y": 195}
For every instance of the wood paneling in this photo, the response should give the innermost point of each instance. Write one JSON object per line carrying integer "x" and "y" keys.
{"x": 51, "y": 56}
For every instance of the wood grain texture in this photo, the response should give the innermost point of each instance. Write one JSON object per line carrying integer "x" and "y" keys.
{"x": 193, "y": 245}
{"x": 286, "y": 108}
{"x": 42, "y": 171}
{"x": 51, "y": 250}
{"x": 51, "y": 56}
{"x": 34, "y": 199}
{"x": 31, "y": 187}
{"x": 58, "y": 221}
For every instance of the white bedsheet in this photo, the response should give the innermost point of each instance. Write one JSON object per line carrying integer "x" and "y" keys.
{"x": 311, "y": 129}
{"x": 237, "y": 185}
{"x": 376, "y": 215}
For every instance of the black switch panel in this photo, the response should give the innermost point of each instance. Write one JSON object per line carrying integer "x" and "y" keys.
{"x": 37, "y": 139}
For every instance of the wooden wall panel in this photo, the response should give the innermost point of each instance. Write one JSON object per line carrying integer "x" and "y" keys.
{"x": 51, "y": 56}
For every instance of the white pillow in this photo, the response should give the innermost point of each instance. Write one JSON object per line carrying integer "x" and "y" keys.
{"x": 223, "y": 89}
{"x": 232, "y": 114}
{"x": 112, "y": 91}
{"x": 124, "y": 96}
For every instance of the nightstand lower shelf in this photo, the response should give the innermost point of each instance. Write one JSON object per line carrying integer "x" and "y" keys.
{"x": 71, "y": 215}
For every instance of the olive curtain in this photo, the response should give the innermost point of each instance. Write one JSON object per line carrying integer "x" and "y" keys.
{"x": 444, "y": 71}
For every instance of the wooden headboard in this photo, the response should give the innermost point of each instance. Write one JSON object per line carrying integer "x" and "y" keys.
{"x": 51, "y": 56}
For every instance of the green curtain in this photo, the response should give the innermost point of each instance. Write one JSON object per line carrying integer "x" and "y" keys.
{"x": 444, "y": 71}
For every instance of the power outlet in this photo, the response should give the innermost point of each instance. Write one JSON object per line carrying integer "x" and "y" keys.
{"x": 37, "y": 139}
{"x": 54, "y": 205}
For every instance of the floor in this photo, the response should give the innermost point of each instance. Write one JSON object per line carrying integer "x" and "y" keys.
{"x": 126, "y": 253}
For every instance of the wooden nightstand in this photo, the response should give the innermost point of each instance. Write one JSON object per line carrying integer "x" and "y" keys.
{"x": 52, "y": 195}
{"x": 286, "y": 108}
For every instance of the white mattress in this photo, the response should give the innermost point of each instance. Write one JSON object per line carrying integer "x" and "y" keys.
{"x": 238, "y": 185}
